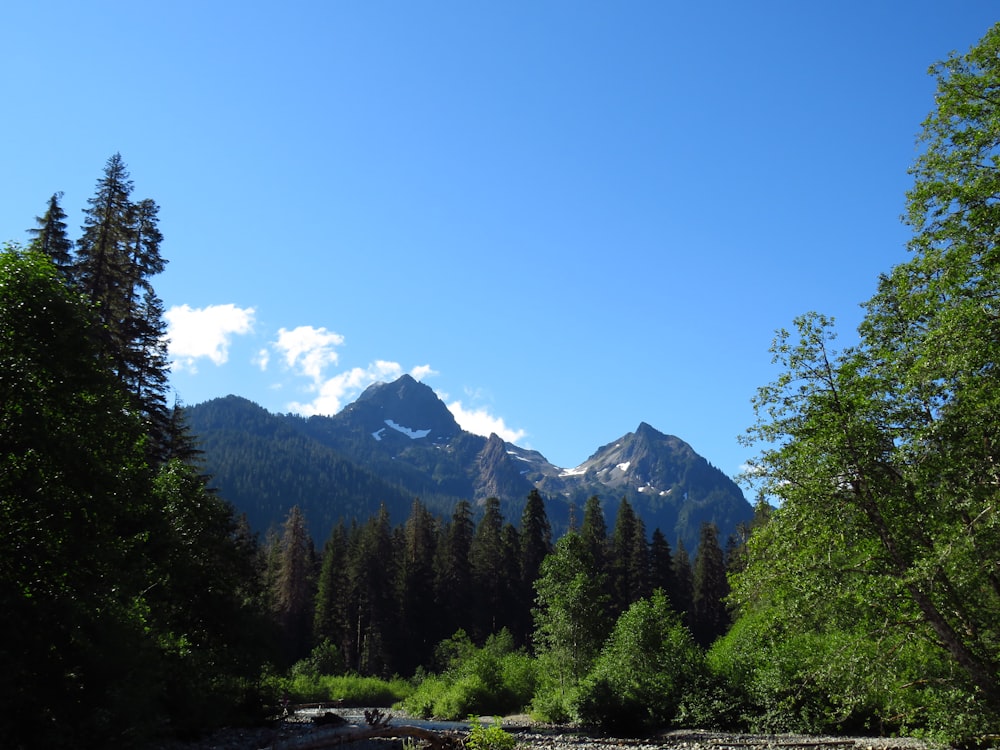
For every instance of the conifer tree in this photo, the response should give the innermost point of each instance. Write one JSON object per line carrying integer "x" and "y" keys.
{"x": 374, "y": 614}
{"x": 117, "y": 255}
{"x": 453, "y": 579}
{"x": 629, "y": 558}
{"x": 683, "y": 600}
{"x": 536, "y": 544}
{"x": 50, "y": 235}
{"x": 710, "y": 617}
{"x": 536, "y": 537}
{"x": 594, "y": 532}
{"x": 330, "y": 614}
{"x": 661, "y": 565}
{"x": 293, "y": 587}
{"x": 491, "y": 586}
{"x": 419, "y": 622}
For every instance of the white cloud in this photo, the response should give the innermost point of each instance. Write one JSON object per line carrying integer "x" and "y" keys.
{"x": 481, "y": 422}
{"x": 422, "y": 371}
{"x": 332, "y": 393}
{"x": 308, "y": 350}
{"x": 195, "y": 333}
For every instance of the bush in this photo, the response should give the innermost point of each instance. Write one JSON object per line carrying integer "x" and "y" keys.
{"x": 484, "y": 736}
{"x": 351, "y": 690}
{"x": 496, "y": 678}
{"x": 649, "y": 664}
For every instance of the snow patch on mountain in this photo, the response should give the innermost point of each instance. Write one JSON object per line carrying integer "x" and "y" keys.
{"x": 410, "y": 433}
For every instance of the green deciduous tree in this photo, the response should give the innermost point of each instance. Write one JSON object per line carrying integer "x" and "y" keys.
{"x": 72, "y": 519}
{"x": 648, "y": 665}
{"x": 883, "y": 454}
{"x": 572, "y": 619}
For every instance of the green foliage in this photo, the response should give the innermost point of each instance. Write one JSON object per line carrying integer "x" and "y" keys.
{"x": 497, "y": 678}
{"x": 351, "y": 690}
{"x": 648, "y": 665}
{"x": 880, "y": 563}
{"x": 488, "y": 736}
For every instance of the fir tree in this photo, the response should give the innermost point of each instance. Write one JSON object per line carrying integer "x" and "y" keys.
{"x": 50, "y": 236}
{"x": 710, "y": 617}
{"x": 418, "y": 621}
{"x": 293, "y": 585}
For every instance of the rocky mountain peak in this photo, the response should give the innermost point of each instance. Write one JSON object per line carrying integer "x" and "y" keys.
{"x": 404, "y": 406}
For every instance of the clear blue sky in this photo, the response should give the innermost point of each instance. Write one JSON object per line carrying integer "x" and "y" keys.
{"x": 569, "y": 216}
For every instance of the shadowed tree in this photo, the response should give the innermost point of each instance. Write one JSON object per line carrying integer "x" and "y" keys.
{"x": 50, "y": 236}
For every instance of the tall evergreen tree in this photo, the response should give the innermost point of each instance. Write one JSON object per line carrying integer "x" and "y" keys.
{"x": 594, "y": 532}
{"x": 683, "y": 584}
{"x": 710, "y": 616}
{"x": 492, "y": 587}
{"x": 419, "y": 622}
{"x": 661, "y": 565}
{"x": 453, "y": 580}
{"x": 294, "y": 596}
{"x": 536, "y": 544}
{"x": 375, "y": 614}
{"x": 629, "y": 558}
{"x": 536, "y": 537}
{"x": 117, "y": 255}
{"x": 103, "y": 254}
{"x": 330, "y": 613}
{"x": 50, "y": 235}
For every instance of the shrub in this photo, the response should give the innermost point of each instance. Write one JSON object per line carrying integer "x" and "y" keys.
{"x": 645, "y": 669}
{"x": 496, "y": 678}
{"x": 484, "y": 736}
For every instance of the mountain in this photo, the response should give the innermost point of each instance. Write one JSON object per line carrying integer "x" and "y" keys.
{"x": 398, "y": 441}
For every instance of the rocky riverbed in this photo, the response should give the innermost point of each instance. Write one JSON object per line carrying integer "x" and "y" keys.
{"x": 300, "y": 731}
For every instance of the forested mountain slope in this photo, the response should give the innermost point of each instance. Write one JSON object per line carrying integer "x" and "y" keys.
{"x": 398, "y": 442}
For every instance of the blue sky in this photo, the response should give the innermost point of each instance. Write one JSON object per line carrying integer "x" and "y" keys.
{"x": 565, "y": 217}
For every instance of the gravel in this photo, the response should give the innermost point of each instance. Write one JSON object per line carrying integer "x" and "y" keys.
{"x": 300, "y": 731}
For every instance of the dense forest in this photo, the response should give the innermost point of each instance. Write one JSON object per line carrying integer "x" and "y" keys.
{"x": 866, "y": 596}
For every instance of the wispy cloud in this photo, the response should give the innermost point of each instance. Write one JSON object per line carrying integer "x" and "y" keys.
{"x": 480, "y": 422}
{"x": 205, "y": 333}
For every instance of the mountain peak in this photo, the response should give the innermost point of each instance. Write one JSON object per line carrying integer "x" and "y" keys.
{"x": 405, "y": 405}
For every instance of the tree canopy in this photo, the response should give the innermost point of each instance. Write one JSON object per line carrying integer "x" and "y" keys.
{"x": 882, "y": 455}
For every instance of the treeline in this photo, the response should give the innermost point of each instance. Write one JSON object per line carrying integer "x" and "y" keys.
{"x": 377, "y": 599}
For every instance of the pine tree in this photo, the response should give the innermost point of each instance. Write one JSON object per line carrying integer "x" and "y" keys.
{"x": 50, "y": 236}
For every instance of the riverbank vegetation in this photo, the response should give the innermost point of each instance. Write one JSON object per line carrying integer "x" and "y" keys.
{"x": 864, "y": 599}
